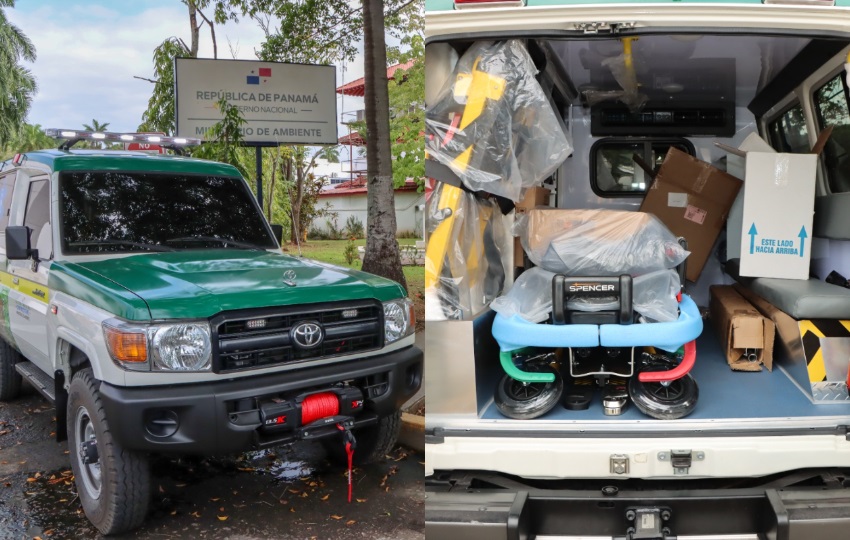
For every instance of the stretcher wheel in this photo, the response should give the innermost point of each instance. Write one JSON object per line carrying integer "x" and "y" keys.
{"x": 522, "y": 401}
{"x": 670, "y": 401}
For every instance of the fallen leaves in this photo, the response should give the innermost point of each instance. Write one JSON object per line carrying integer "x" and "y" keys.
{"x": 334, "y": 516}
{"x": 222, "y": 518}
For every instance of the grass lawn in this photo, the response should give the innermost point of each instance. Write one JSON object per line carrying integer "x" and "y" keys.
{"x": 332, "y": 251}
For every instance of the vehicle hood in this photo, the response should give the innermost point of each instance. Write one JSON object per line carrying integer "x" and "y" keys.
{"x": 202, "y": 283}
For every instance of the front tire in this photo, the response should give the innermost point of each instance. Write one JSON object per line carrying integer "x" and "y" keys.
{"x": 373, "y": 442}
{"x": 10, "y": 379}
{"x": 113, "y": 483}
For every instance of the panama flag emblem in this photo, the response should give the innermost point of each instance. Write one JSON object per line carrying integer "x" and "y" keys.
{"x": 256, "y": 75}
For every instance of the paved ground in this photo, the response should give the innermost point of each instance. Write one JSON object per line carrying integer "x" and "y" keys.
{"x": 288, "y": 493}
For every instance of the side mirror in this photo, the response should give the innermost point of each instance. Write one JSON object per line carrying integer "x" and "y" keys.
{"x": 18, "y": 243}
{"x": 278, "y": 233}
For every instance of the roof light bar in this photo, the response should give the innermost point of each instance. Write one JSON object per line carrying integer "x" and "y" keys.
{"x": 69, "y": 135}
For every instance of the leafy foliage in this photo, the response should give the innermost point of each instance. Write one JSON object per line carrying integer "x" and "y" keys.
{"x": 17, "y": 85}
{"x": 354, "y": 227}
{"x": 159, "y": 114}
{"x": 28, "y": 138}
{"x": 224, "y": 138}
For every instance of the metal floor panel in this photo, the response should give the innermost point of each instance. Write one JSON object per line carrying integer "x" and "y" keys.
{"x": 724, "y": 394}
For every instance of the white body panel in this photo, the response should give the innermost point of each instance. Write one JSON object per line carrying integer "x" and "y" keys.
{"x": 552, "y": 458}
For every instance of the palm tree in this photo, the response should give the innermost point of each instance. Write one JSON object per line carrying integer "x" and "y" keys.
{"x": 17, "y": 85}
{"x": 330, "y": 153}
{"x": 382, "y": 255}
{"x": 30, "y": 137}
{"x": 98, "y": 127}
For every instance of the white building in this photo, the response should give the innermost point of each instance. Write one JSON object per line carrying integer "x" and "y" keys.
{"x": 349, "y": 199}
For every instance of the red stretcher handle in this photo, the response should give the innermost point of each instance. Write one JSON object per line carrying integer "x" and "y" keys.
{"x": 684, "y": 367}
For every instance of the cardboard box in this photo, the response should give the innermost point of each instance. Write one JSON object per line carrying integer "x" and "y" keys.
{"x": 534, "y": 197}
{"x": 743, "y": 331}
{"x": 693, "y": 199}
{"x": 778, "y": 209}
{"x": 736, "y": 166}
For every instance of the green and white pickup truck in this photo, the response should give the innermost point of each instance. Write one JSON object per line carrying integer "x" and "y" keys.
{"x": 148, "y": 298}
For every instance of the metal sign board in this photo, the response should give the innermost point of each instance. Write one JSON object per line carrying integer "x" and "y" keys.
{"x": 282, "y": 103}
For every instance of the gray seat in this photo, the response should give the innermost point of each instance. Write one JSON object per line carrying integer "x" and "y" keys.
{"x": 802, "y": 299}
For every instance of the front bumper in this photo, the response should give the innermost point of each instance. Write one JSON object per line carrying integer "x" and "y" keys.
{"x": 212, "y": 418}
{"x": 472, "y": 506}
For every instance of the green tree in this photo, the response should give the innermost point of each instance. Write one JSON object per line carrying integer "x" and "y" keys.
{"x": 224, "y": 139}
{"x": 159, "y": 114}
{"x": 17, "y": 85}
{"x": 28, "y": 138}
{"x": 96, "y": 127}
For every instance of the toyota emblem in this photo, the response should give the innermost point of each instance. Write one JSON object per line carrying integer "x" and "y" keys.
{"x": 307, "y": 335}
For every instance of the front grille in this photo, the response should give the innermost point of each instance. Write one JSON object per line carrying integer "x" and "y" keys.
{"x": 261, "y": 338}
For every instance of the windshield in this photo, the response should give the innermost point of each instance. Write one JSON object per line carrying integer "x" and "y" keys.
{"x": 114, "y": 211}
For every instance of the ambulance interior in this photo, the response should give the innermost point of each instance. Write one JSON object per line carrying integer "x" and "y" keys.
{"x": 694, "y": 91}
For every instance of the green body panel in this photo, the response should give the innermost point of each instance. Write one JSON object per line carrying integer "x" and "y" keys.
{"x": 91, "y": 160}
{"x": 200, "y": 283}
{"x": 448, "y": 5}
{"x": 87, "y": 286}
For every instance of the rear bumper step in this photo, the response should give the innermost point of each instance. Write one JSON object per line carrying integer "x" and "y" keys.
{"x": 513, "y": 513}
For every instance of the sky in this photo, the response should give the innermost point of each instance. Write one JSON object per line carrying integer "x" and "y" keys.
{"x": 88, "y": 52}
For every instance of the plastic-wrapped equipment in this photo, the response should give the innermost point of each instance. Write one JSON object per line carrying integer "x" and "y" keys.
{"x": 598, "y": 242}
{"x": 653, "y": 297}
{"x": 465, "y": 261}
{"x": 492, "y": 124}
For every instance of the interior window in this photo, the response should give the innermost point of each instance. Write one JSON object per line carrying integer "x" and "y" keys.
{"x": 615, "y": 171}
{"x": 37, "y": 217}
{"x": 832, "y": 108}
{"x": 7, "y": 187}
{"x": 788, "y": 133}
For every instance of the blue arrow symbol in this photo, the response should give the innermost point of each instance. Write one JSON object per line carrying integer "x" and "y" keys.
{"x": 803, "y": 237}
{"x": 753, "y": 232}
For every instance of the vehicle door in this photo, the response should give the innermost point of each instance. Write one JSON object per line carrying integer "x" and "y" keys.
{"x": 28, "y": 293}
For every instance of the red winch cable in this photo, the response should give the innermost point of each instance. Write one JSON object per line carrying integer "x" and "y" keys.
{"x": 318, "y": 406}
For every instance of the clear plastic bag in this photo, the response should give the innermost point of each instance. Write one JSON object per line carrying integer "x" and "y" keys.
{"x": 530, "y": 297}
{"x": 597, "y": 242}
{"x": 492, "y": 124}
{"x": 653, "y": 297}
{"x": 465, "y": 262}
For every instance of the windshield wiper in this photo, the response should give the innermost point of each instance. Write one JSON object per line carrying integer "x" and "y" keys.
{"x": 116, "y": 242}
{"x": 225, "y": 241}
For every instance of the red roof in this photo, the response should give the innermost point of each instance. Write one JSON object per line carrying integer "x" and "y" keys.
{"x": 357, "y": 88}
{"x": 354, "y": 139}
{"x": 358, "y": 187}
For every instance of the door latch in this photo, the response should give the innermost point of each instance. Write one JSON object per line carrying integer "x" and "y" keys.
{"x": 681, "y": 460}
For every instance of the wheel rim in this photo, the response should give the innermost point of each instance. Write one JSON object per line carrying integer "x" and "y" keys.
{"x": 666, "y": 393}
{"x": 90, "y": 472}
{"x": 524, "y": 391}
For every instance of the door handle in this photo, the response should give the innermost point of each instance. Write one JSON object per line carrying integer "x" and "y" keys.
{"x": 15, "y": 280}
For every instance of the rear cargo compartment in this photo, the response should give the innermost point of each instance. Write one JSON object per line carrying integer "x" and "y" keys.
{"x": 698, "y": 95}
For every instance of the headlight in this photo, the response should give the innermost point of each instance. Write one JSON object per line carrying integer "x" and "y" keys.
{"x": 398, "y": 319}
{"x": 159, "y": 347}
{"x": 182, "y": 347}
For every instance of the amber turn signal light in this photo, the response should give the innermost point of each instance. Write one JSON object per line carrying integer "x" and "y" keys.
{"x": 126, "y": 346}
